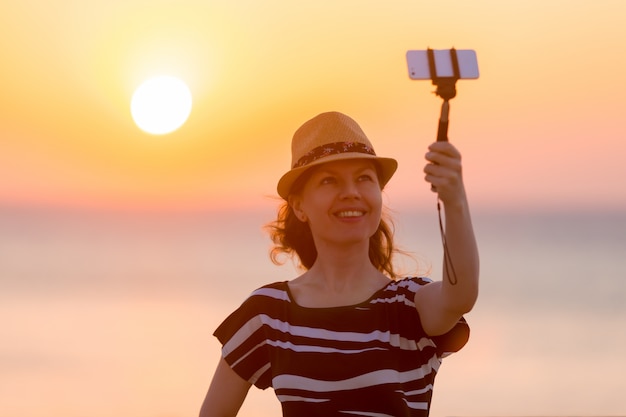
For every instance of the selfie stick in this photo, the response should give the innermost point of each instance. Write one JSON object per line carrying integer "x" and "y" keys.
{"x": 446, "y": 89}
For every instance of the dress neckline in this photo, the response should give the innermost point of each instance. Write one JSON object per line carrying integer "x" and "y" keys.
{"x": 293, "y": 301}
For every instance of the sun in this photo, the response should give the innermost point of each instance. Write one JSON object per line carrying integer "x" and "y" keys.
{"x": 161, "y": 105}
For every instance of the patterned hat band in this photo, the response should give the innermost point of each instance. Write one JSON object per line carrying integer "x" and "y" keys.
{"x": 333, "y": 149}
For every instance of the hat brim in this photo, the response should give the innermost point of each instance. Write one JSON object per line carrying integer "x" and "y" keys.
{"x": 387, "y": 167}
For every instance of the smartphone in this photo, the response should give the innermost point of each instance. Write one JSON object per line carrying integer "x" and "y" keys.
{"x": 419, "y": 66}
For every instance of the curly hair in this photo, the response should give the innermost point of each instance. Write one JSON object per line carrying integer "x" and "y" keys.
{"x": 293, "y": 237}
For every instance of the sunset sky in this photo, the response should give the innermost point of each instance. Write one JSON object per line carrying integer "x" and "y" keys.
{"x": 542, "y": 127}
{"x": 121, "y": 251}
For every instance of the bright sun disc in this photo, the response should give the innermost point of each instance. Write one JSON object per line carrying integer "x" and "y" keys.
{"x": 161, "y": 105}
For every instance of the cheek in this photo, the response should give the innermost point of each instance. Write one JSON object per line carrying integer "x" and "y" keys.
{"x": 312, "y": 207}
{"x": 375, "y": 197}
{"x": 379, "y": 203}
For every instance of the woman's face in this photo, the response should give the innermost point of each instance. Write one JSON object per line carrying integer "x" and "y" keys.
{"x": 341, "y": 201}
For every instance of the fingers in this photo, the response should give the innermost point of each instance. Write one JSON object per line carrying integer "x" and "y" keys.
{"x": 441, "y": 178}
{"x": 440, "y": 159}
{"x": 443, "y": 157}
{"x": 444, "y": 149}
{"x": 444, "y": 170}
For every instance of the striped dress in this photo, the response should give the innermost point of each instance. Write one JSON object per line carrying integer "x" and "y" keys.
{"x": 369, "y": 359}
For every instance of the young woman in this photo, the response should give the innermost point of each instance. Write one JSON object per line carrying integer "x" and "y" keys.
{"x": 348, "y": 337}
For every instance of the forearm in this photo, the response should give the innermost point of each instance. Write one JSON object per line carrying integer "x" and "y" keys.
{"x": 461, "y": 269}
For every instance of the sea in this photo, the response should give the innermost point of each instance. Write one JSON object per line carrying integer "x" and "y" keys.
{"x": 111, "y": 313}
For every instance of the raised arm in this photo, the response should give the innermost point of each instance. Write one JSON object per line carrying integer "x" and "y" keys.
{"x": 442, "y": 303}
{"x": 226, "y": 393}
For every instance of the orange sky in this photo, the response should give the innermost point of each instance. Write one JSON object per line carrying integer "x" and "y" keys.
{"x": 541, "y": 127}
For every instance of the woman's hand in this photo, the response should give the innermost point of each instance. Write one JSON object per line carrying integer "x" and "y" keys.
{"x": 444, "y": 172}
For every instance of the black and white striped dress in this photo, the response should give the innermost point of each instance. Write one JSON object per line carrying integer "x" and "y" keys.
{"x": 369, "y": 359}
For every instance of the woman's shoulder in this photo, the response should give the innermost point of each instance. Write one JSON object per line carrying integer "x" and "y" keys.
{"x": 411, "y": 283}
{"x": 276, "y": 284}
{"x": 264, "y": 299}
{"x": 276, "y": 290}
{"x": 401, "y": 290}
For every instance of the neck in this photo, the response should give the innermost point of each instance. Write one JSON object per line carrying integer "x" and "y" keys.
{"x": 337, "y": 269}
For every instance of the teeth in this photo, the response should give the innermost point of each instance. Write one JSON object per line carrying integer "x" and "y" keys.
{"x": 352, "y": 213}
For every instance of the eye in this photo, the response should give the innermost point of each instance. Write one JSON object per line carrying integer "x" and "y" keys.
{"x": 366, "y": 177}
{"x": 328, "y": 180}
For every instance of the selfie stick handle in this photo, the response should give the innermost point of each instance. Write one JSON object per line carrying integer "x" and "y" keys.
{"x": 442, "y": 131}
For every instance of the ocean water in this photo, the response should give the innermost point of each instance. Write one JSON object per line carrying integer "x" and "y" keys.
{"x": 108, "y": 314}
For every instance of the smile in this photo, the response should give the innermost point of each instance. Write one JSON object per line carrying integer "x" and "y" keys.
{"x": 350, "y": 213}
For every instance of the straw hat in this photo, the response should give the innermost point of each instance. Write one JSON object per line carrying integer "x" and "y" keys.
{"x": 327, "y": 137}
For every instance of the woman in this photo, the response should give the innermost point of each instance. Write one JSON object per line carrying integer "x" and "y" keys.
{"x": 347, "y": 337}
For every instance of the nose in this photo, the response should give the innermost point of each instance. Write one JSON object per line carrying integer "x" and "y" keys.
{"x": 349, "y": 189}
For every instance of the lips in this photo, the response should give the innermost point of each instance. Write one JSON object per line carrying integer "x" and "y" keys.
{"x": 350, "y": 213}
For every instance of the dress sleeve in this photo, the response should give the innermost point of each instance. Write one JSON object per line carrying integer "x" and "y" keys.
{"x": 453, "y": 340}
{"x": 244, "y": 343}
